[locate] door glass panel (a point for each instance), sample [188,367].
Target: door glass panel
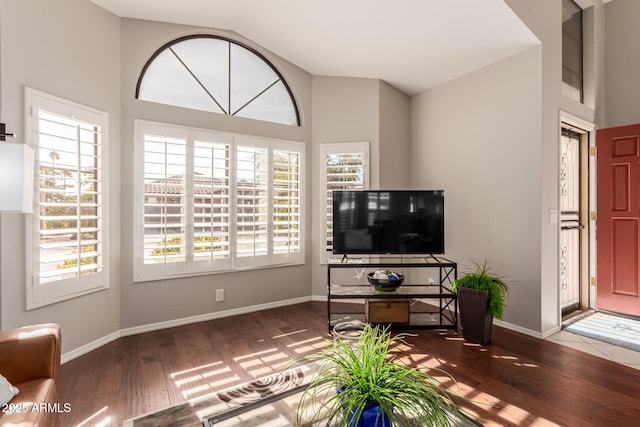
[569,219]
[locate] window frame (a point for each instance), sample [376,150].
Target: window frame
[191,267]
[252,50]
[568,90]
[326,149]
[42,294]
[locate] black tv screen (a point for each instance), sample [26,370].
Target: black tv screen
[388,222]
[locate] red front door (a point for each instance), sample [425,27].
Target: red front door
[618,221]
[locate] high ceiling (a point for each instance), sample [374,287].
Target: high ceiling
[411,44]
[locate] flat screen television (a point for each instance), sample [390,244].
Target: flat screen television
[388,222]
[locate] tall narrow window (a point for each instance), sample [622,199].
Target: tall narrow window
[345,166]
[252,201]
[69,225]
[215,201]
[572,50]
[211,198]
[219,75]
[286,201]
[165,193]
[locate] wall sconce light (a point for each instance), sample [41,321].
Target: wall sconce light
[16,175]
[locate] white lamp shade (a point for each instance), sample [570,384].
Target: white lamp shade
[16,177]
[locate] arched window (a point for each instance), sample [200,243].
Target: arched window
[212,73]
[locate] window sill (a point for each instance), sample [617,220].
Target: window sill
[45,301]
[156,278]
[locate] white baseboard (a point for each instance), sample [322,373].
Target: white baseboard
[517,328]
[80,351]
[501,323]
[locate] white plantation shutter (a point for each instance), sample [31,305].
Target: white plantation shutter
[68,253]
[70,207]
[252,201]
[344,166]
[165,198]
[213,201]
[286,202]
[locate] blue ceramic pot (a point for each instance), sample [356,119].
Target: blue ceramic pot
[372,416]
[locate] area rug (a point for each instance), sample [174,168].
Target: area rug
[283,412]
[194,412]
[271,401]
[620,331]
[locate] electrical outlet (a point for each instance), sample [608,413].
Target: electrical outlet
[219,295]
[431,281]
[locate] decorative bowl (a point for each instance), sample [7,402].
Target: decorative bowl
[385,285]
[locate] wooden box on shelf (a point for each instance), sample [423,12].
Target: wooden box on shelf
[387,311]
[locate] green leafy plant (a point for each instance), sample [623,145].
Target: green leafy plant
[481,277]
[351,376]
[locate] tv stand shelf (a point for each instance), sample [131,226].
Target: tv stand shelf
[431,303]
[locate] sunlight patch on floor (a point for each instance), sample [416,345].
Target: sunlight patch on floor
[199,368]
[195,382]
[306,346]
[483,404]
[290,333]
[262,362]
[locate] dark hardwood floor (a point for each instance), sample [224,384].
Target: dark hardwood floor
[515,381]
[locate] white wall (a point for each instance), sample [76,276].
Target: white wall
[344,110]
[356,110]
[478,138]
[69,48]
[503,124]
[622,63]
[395,138]
[544,19]
[159,301]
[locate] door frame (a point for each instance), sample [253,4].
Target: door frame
[587,203]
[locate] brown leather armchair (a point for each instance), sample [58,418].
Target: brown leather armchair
[30,360]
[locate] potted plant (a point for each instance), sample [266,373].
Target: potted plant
[481,297]
[362,383]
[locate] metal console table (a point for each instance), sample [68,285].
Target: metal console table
[431,302]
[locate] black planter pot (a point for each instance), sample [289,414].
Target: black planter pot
[475,321]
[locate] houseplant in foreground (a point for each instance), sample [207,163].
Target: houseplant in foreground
[364,384]
[481,296]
